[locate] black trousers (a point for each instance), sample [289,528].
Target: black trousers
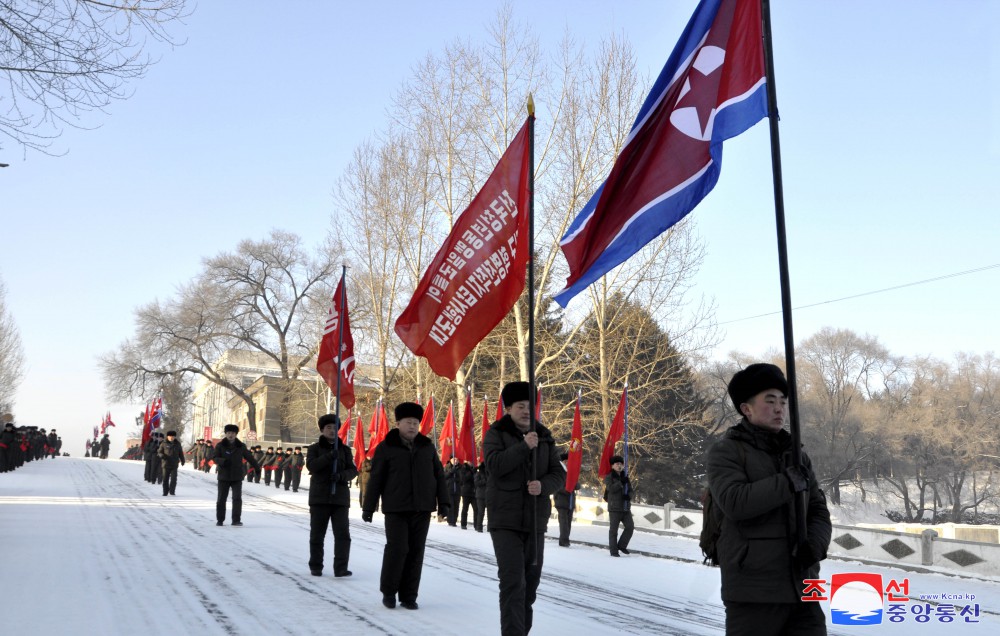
[293,478]
[403,557]
[267,476]
[519,579]
[456,500]
[278,473]
[775,619]
[615,542]
[466,502]
[320,516]
[565,524]
[220,504]
[169,477]
[477,521]
[148,475]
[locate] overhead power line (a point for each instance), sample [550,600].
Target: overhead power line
[870,293]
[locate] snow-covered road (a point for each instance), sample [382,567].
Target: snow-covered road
[89,547]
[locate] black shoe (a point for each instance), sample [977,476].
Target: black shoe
[410,605]
[389,601]
[316,572]
[164,494]
[624,551]
[344,573]
[615,554]
[237,523]
[218,523]
[173,494]
[564,544]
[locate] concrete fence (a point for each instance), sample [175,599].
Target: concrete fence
[942,545]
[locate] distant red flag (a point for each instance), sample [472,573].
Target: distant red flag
[427,423]
[108,420]
[104,425]
[345,428]
[328,363]
[478,274]
[447,440]
[359,445]
[614,434]
[538,404]
[486,427]
[499,409]
[381,429]
[466,451]
[575,458]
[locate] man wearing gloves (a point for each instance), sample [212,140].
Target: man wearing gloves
[331,468]
[753,483]
[407,475]
[228,457]
[522,472]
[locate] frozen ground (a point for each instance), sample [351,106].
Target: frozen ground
[90,548]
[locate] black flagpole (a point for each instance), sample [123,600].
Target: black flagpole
[786,293]
[531,309]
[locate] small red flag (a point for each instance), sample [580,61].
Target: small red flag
[447,440]
[575,458]
[345,428]
[486,427]
[499,409]
[466,451]
[359,445]
[108,420]
[427,422]
[328,363]
[478,274]
[614,434]
[538,404]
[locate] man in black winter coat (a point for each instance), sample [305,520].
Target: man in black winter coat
[331,469]
[228,456]
[754,484]
[407,475]
[293,468]
[518,503]
[618,494]
[170,454]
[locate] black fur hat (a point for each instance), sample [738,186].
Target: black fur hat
[329,418]
[514,392]
[616,459]
[231,427]
[409,409]
[755,379]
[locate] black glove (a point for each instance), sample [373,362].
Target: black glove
[797,479]
[805,556]
[443,510]
[366,516]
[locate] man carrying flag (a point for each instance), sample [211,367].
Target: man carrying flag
[523,472]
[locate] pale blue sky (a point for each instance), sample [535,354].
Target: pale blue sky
[890,142]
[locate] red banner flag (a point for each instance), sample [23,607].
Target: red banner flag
[427,423]
[108,420]
[359,445]
[575,458]
[478,274]
[499,408]
[538,404]
[447,440]
[486,427]
[328,364]
[345,428]
[614,434]
[466,451]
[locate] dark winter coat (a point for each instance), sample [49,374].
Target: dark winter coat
[320,460]
[746,479]
[269,460]
[407,478]
[467,480]
[508,470]
[229,458]
[295,461]
[480,480]
[619,491]
[170,453]
[564,499]
[452,481]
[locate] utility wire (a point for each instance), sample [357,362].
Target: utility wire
[869,293]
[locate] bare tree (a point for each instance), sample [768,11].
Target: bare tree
[62,58]
[11,354]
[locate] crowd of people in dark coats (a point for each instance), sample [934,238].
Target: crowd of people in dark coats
[21,444]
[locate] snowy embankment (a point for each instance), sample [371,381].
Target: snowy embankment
[92,548]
